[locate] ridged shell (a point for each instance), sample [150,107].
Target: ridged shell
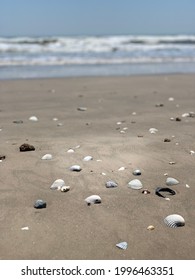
[171,181]
[111,184]
[122,245]
[57,184]
[174,221]
[135,184]
[47,157]
[93,199]
[76,168]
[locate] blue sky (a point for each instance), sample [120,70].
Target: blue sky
[96,17]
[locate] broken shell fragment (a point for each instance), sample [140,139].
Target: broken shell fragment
[159,190]
[33,118]
[93,199]
[174,221]
[122,245]
[26,147]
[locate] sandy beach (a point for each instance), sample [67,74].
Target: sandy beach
[113,128]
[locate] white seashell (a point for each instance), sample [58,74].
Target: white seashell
[76,168]
[57,184]
[151,227]
[93,199]
[167,198]
[65,188]
[77,147]
[104,174]
[125,128]
[187,186]
[70,151]
[33,118]
[153,130]
[122,245]
[166,174]
[87,158]
[135,184]
[121,168]
[47,156]
[25,228]
[99,160]
[192,152]
[172,119]
[55,119]
[171,99]
[137,172]
[111,184]
[174,221]
[118,123]
[171,181]
[81,108]
[122,131]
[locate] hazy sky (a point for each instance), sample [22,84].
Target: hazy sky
[96,17]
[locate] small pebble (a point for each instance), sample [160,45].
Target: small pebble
[171,99]
[153,130]
[87,158]
[2,157]
[167,140]
[121,168]
[172,162]
[151,227]
[81,108]
[178,119]
[136,172]
[192,152]
[111,184]
[39,204]
[145,191]
[159,105]
[65,188]
[25,228]
[26,147]
[76,168]
[18,122]
[187,186]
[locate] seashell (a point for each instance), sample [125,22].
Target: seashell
[81,108]
[153,130]
[47,156]
[87,158]
[174,221]
[78,146]
[171,181]
[171,99]
[93,199]
[122,245]
[151,227]
[111,184]
[39,203]
[33,118]
[70,151]
[121,168]
[55,119]
[57,184]
[103,173]
[137,172]
[192,152]
[187,186]
[25,228]
[135,184]
[76,168]
[145,191]
[65,188]
[118,123]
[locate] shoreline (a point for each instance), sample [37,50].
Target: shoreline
[112,125]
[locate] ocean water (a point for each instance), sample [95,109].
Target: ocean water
[34,57]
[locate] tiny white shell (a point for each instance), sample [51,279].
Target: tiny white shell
[70,151]
[151,227]
[47,156]
[171,99]
[135,184]
[25,228]
[174,221]
[93,199]
[76,168]
[121,168]
[33,118]
[171,181]
[57,184]
[87,158]
[82,109]
[122,245]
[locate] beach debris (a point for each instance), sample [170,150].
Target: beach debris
[146,191]
[76,168]
[172,119]
[93,199]
[162,189]
[121,168]
[25,228]
[192,152]
[171,181]
[78,146]
[137,172]
[178,119]
[150,227]
[26,147]
[171,99]
[118,123]
[47,157]
[187,186]
[70,151]
[153,130]
[166,174]
[2,157]
[98,160]
[174,221]
[39,204]
[103,173]
[159,105]
[122,245]
[111,184]
[167,140]
[82,109]
[172,162]
[122,131]
[65,188]
[18,121]
[33,118]
[190,114]
[87,158]
[57,184]
[135,184]
[60,124]
[55,119]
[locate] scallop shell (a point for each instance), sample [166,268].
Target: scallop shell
[87,158]
[76,168]
[47,156]
[57,184]
[122,245]
[111,184]
[174,221]
[33,118]
[135,184]
[171,181]
[93,199]
[65,188]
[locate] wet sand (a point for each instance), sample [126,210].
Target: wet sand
[68,228]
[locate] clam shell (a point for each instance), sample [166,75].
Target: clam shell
[47,156]
[122,245]
[93,199]
[174,221]
[76,168]
[171,181]
[135,184]
[87,158]
[33,118]
[111,184]
[57,184]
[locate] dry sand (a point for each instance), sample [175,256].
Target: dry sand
[68,228]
